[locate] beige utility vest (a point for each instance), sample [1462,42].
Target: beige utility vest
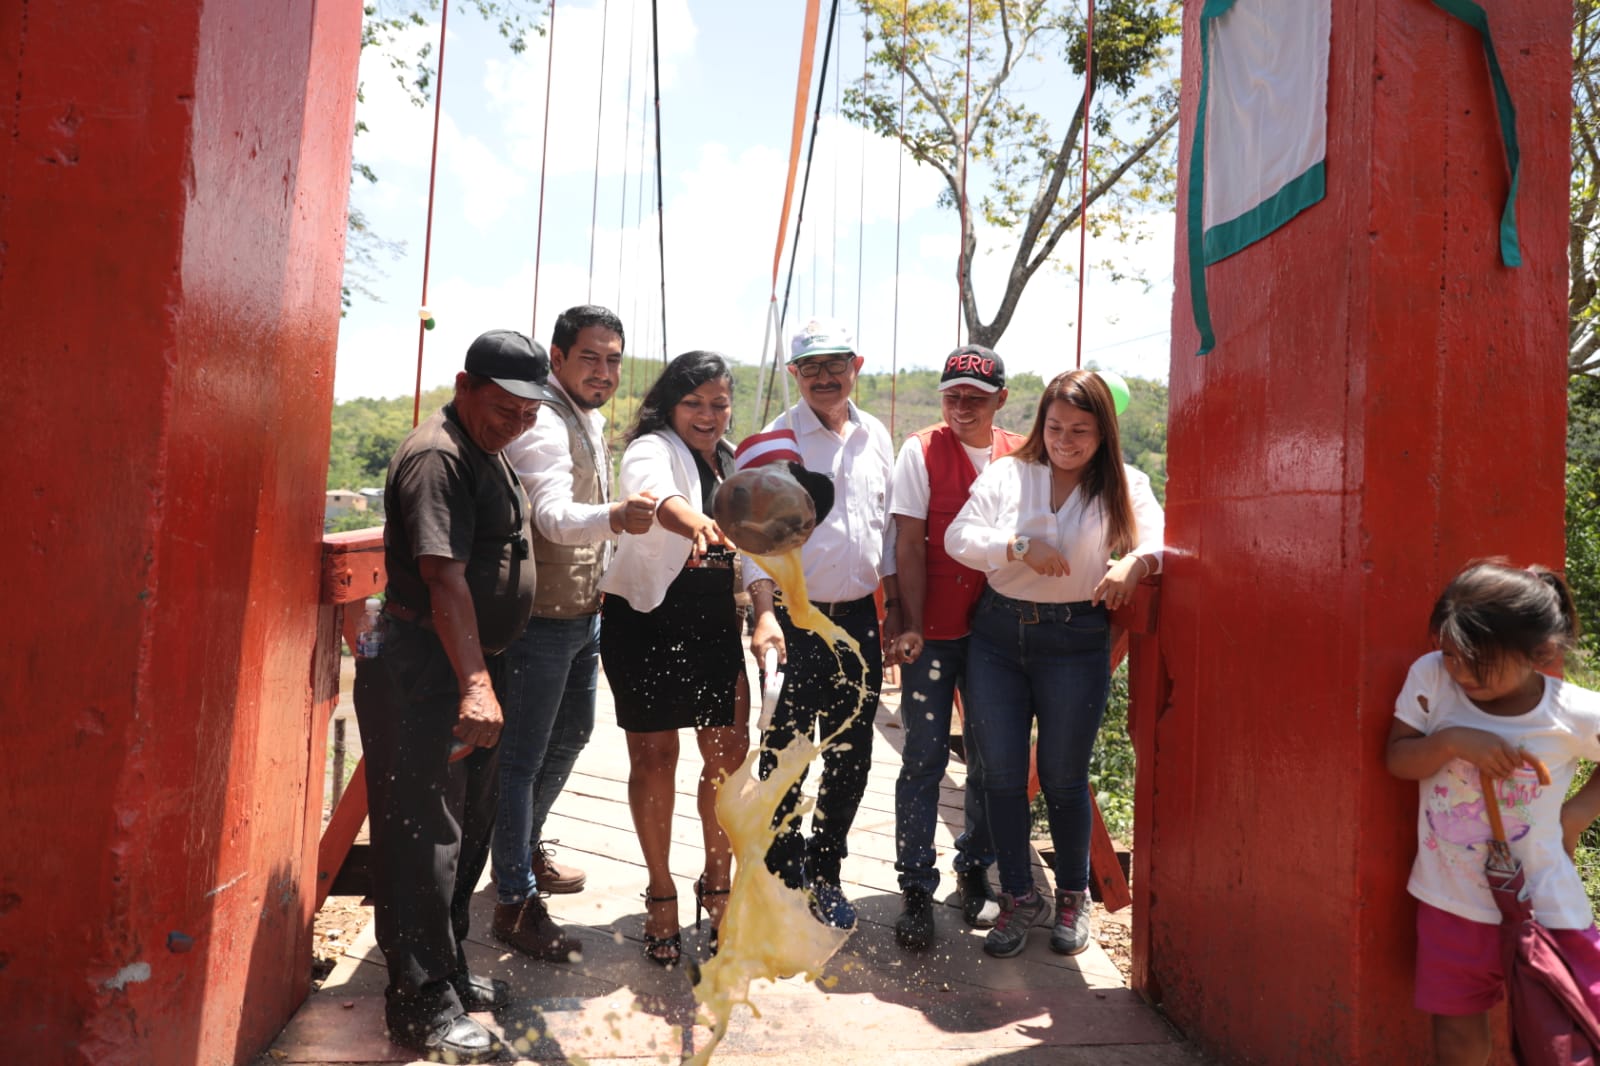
[569,574]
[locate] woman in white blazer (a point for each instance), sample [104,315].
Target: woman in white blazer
[669,632]
[1064,531]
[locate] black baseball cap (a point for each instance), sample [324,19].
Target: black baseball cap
[975,365]
[512,361]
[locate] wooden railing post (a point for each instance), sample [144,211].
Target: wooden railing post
[352,570]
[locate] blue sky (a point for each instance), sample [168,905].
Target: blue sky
[727,87]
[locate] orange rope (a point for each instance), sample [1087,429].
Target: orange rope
[802,92]
[1083,204]
[544,166]
[427,240]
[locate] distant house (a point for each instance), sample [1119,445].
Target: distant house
[341,502]
[374,498]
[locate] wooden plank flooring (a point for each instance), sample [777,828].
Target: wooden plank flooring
[875,1003]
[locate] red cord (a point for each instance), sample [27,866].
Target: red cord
[1083,204]
[899,188]
[544,167]
[427,240]
[966,155]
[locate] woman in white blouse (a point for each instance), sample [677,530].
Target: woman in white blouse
[669,632]
[1065,531]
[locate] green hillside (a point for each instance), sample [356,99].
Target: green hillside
[367,431]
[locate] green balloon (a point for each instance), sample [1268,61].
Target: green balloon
[1119,389]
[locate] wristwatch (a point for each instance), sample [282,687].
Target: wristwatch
[1019,546]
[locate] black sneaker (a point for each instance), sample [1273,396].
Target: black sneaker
[979,908]
[914,928]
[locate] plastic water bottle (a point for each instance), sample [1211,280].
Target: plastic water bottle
[369,634]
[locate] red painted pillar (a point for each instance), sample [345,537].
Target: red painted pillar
[173,180]
[1385,402]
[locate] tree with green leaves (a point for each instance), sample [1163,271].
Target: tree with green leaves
[1027,161]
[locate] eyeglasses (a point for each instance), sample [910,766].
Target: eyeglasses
[811,368]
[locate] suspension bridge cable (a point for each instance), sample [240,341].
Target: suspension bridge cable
[544,166]
[427,240]
[661,222]
[861,191]
[899,190]
[966,158]
[1083,203]
[627,143]
[805,182]
[599,113]
[833,260]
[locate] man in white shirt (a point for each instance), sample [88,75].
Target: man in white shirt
[843,561]
[932,480]
[565,467]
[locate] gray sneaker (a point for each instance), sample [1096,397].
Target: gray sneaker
[1071,932]
[1017,915]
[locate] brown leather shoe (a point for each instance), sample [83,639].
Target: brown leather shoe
[528,927]
[551,876]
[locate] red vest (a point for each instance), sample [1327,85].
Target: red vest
[953,589]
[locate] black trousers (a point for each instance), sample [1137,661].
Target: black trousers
[430,820]
[818,696]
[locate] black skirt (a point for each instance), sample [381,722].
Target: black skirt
[677,666]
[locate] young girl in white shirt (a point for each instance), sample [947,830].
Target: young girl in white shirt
[1065,532]
[1476,708]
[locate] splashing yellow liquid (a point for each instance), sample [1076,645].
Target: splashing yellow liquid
[768,930]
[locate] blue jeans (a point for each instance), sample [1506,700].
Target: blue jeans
[927,696]
[549,714]
[1050,663]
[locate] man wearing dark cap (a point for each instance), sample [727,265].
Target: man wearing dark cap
[461,585]
[932,479]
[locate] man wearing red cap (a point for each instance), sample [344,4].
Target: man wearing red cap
[932,480]
[843,561]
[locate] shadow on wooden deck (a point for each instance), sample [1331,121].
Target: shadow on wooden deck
[874,1004]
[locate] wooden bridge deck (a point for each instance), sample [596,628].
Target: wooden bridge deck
[876,1003]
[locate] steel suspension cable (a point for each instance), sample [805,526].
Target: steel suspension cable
[544,165]
[833,261]
[599,113]
[861,191]
[661,222]
[805,181]
[427,240]
[899,192]
[1083,203]
[627,143]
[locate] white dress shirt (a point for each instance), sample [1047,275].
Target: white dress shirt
[911,490]
[661,464]
[1012,497]
[542,460]
[846,554]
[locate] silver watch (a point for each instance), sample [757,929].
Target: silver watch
[1019,546]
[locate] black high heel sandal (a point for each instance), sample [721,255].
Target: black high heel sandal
[664,951]
[700,894]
